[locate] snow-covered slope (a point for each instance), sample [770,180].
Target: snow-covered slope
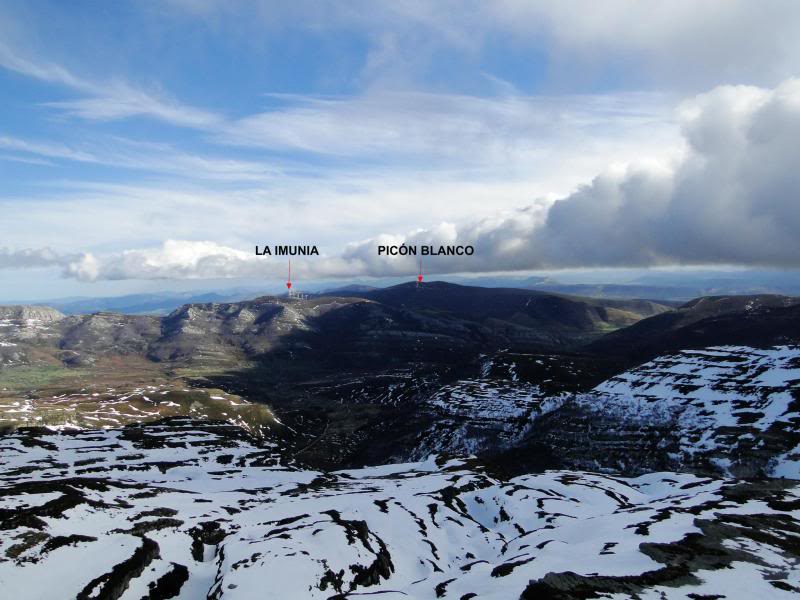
[193,510]
[474,415]
[494,411]
[731,409]
[728,410]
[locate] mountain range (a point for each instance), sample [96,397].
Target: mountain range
[671,287]
[433,440]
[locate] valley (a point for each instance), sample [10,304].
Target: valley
[414,441]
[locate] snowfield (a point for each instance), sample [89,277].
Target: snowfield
[192,510]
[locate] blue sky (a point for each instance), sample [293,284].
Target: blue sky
[150,145]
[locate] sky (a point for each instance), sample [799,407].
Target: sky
[152,145]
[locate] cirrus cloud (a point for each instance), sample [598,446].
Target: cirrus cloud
[732,199]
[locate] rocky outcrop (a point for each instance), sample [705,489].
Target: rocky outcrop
[22,329]
[87,336]
[22,313]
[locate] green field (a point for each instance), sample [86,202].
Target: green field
[30,377]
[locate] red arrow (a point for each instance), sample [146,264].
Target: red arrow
[289,279]
[419,277]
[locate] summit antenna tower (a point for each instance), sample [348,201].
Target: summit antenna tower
[293,294]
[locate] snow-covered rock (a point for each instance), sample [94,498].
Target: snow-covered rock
[475,415]
[193,510]
[732,409]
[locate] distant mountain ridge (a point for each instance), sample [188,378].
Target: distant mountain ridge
[155,304]
[438,314]
[761,320]
[392,373]
[525,308]
[665,287]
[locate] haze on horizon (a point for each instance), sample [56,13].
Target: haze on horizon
[150,146]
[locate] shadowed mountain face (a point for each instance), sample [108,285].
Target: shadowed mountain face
[544,317]
[740,320]
[398,323]
[347,374]
[395,374]
[226,334]
[406,322]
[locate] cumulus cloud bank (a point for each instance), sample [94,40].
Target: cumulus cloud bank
[731,199]
[33,257]
[186,259]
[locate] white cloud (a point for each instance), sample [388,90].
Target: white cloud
[185,259]
[153,157]
[731,200]
[443,128]
[509,152]
[28,258]
[120,100]
[694,43]
[46,149]
[107,100]
[389,160]
[688,44]
[173,260]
